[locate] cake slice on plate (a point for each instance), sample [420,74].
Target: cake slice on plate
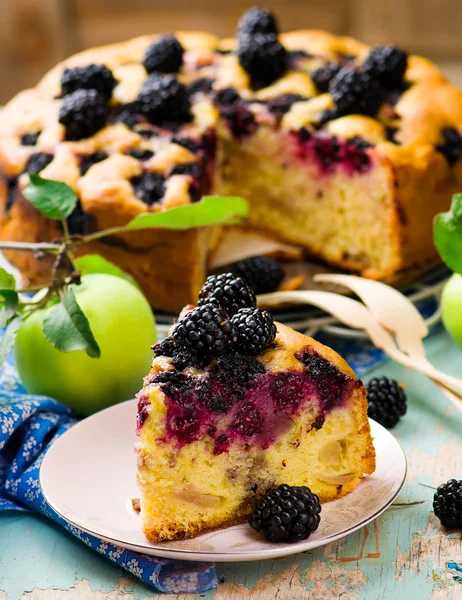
[236,404]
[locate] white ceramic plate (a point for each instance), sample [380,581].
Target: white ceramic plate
[88,477]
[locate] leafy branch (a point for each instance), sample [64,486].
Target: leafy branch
[447,232]
[65,325]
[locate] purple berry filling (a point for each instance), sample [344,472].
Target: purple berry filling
[331,153]
[240,120]
[238,402]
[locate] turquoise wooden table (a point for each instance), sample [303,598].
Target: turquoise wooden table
[403,555]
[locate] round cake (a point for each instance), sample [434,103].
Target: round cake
[342,149]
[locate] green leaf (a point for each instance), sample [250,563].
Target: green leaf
[54,199]
[94,263]
[8,307]
[7,280]
[211,210]
[8,339]
[447,233]
[67,328]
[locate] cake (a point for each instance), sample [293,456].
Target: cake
[235,405]
[342,149]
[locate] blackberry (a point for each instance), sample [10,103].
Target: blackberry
[37,162]
[355,92]
[163,99]
[263,57]
[387,64]
[255,330]
[287,514]
[30,139]
[386,400]
[89,77]
[140,153]
[359,142]
[128,114]
[91,159]
[205,330]
[330,382]
[257,20]
[149,187]
[451,148]
[248,421]
[262,273]
[227,291]
[240,120]
[282,104]
[203,84]
[322,76]
[165,348]
[192,145]
[447,504]
[181,359]
[164,55]
[193,168]
[227,96]
[83,113]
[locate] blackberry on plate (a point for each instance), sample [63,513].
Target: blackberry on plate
[386,400]
[387,64]
[255,330]
[164,99]
[257,20]
[287,514]
[164,55]
[205,330]
[263,273]
[322,76]
[37,162]
[263,57]
[451,148]
[83,113]
[355,92]
[149,187]
[447,504]
[229,292]
[89,77]
[91,159]
[30,139]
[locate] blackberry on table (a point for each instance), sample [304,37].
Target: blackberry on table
[257,20]
[163,99]
[229,292]
[30,139]
[355,92]
[149,187]
[205,330]
[387,64]
[287,514]
[164,55]
[83,113]
[451,148]
[263,57]
[322,76]
[37,162]
[89,77]
[255,330]
[91,159]
[263,273]
[386,400]
[447,504]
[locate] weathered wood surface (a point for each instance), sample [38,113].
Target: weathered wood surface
[404,555]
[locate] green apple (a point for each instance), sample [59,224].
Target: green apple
[123,325]
[451,307]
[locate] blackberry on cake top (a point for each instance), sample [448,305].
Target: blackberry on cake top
[355,92]
[149,187]
[89,77]
[322,76]
[83,113]
[163,99]
[263,57]
[228,291]
[254,329]
[165,55]
[257,20]
[451,146]
[387,64]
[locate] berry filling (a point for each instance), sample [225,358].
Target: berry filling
[236,401]
[331,153]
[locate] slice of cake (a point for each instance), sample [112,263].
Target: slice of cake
[235,405]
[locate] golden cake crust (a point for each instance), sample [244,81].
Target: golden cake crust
[422,181]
